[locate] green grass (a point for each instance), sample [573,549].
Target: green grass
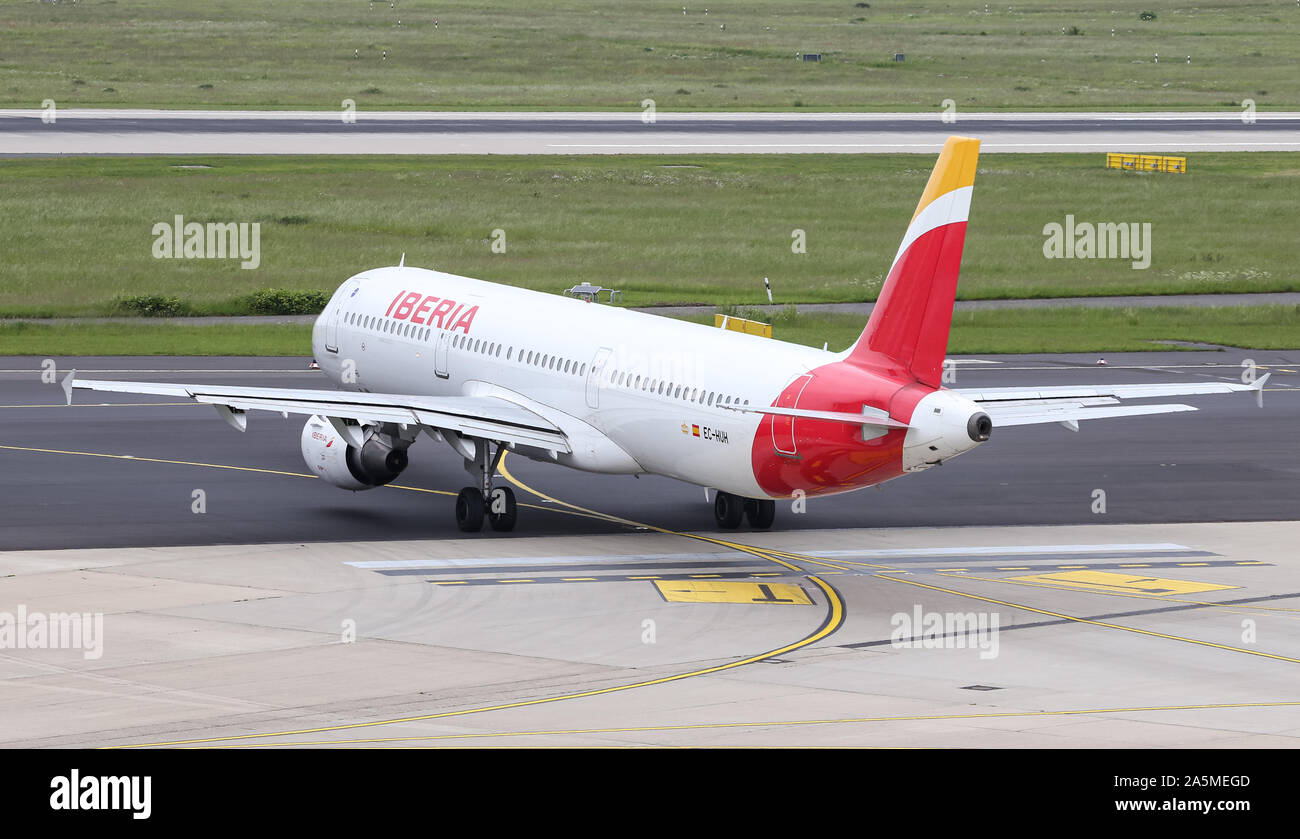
[611,54]
[1074,329]
[77,232]
[99,338]
[1001,331]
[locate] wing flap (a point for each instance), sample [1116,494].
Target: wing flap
[478,416]
[343,410]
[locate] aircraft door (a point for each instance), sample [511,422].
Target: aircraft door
[593,376]
[783,427]
[335,315]
[440,354]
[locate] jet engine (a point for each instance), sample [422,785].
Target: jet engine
[330,457]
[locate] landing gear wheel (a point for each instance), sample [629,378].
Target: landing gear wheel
[728,509]
[502,511]
[760,512]
[469,510]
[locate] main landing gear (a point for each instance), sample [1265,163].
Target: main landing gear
[729,509]
[476,503]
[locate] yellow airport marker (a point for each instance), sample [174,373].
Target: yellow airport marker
[691,591]
[1104,581]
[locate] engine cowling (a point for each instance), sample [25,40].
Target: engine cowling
[379,461]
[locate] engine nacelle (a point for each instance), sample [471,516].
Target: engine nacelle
[331,458]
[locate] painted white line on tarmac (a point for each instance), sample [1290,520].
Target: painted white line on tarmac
[613,561]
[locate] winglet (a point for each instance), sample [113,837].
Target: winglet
[68,379]
[1258,387]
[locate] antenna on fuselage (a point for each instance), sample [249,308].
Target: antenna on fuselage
[401,263]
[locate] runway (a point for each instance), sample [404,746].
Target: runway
[292,613]
[122,473]
[30,132]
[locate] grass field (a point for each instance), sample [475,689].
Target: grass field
[1074,329]
[56,340]
[1009,331]
[611,54]
[77,233]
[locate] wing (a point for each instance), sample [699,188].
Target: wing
[1070,404]
[485,417]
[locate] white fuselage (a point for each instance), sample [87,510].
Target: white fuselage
[634,392]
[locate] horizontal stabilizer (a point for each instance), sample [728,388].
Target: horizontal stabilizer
[1070,404]
[990,395]
[1022,415]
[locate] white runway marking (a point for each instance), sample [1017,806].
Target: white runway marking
[988,550]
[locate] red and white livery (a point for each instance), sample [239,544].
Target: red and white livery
[487,368]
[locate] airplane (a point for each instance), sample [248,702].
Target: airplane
[489,369]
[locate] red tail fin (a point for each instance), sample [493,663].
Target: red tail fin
[910,322]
